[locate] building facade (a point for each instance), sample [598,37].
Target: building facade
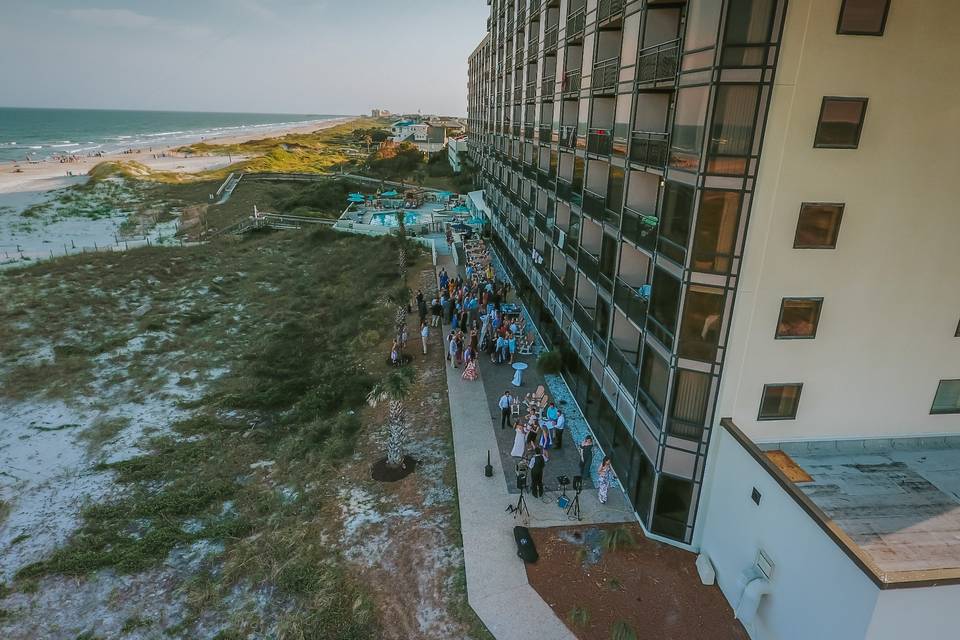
[743,210]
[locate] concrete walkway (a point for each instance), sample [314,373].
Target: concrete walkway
[497,586]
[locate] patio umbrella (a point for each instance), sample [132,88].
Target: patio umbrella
[389,194]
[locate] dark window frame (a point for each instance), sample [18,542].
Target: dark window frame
[798,385]
[956,334]
[816,321]
[803,205]
[883,22]
[932,404]
[863,117]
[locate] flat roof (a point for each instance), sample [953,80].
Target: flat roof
[892,503]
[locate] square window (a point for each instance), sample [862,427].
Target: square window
[818,225]
[841,120]
[863,17]
[779,401]
[947,399]
[799,318]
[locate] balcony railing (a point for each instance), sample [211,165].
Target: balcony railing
[605,75]
[575,24]
[521,17]
[624,366]
[630,302]
[515,130]
[545,180]
[583,317]
[550,38]
[548,86]
[649,148]
[589,265]
[571,82]
[531,89]
[609,9]
[639,228]
[593,205]
[686,429]
[568,136]
[600,141]
[528,131]
[546,134]
[532,50]
[659,63]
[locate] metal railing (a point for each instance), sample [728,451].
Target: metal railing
[686,429]
[548,86]
[546,134]
[659,63]
[600,141]
[571,81]
[649,148]
[575,23]
[568,136]
[593,204]
[640,228]
[630,302]
[609,9]
[605,74]
[583,317]
[624,366]
[550,37]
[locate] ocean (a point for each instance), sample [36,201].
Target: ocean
[44,133]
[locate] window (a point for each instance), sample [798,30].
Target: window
[731,133]
[670,514]
[675,213]
[664,302]
[700,325]
[688,124]
[947,399]
[779,401]
[654,373]
[841,120]
[799,317]
[863,17]
[748,31]
[818,226]
[688,410]
[716,231]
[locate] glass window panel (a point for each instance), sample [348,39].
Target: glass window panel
[688,410]
[779,401]
[687,139]
[841,120]
[664,299]
[703,19]
[818,226]
[641,472]
[672,508]
[675,214]
[731,133]
[947,399]
[653,377]
[799,317]
[716,231]
[700,328]
[863,17]
[748,23]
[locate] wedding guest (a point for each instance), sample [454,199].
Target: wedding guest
[604,478]
[586,457]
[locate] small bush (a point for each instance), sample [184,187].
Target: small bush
[579,616]
[619,538]
[549,362]
[622,631]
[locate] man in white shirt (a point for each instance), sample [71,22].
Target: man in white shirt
[505,401]
[424,334]
[558,430]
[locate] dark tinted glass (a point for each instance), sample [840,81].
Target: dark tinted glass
[716,231]
[799,317]
[653,377]
[947,399]
[818,226]
[675,214]
[672,507]
[688,410]
[841,120]
[700,327]
[664,299]
[780,402]
[863,17]
[731,133]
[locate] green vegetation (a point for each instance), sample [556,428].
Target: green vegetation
[550,362]
[249,478]
[618,538]
[622,631]
[578,616]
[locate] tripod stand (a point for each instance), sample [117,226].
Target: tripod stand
[520,508]
[573,511]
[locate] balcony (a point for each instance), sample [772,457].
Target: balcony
[649,148]
[546,135]
[545,180]
[548,86]
[570,86]
[624,366]
[528,131]
[609,9]
[540,222]
[575,24]
[599,141]
[605,75]
[532,50]
[515,130]
[589,265]
[568,136]
[521,18]
[630,302]
[583,318]
[685,429]
[531,89]
[593,205]
[659,63]
[550,38]
[640,229]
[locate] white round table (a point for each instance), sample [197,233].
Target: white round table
[518,376]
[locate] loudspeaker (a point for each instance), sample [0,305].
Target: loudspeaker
[525,547]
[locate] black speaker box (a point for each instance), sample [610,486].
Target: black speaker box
[525,547]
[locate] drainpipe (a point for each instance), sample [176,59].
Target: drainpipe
[746,610]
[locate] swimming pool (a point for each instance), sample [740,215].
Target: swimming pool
[389,219]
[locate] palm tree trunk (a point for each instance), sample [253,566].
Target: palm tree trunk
[397,435]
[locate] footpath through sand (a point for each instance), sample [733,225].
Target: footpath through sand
[497,585]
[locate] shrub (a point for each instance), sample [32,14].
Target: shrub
[623,631]
[549,362]
[579,616]
[619,538]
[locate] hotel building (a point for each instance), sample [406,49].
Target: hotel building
[736,220]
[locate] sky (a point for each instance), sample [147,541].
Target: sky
[261,56]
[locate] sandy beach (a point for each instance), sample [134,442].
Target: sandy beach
[17,180]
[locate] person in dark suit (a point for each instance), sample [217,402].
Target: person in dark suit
[586,457]
[537,463]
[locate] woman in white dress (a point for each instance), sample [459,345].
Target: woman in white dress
[519,440]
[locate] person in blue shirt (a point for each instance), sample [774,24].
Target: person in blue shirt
[444,279]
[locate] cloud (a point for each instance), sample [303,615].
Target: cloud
[131,20]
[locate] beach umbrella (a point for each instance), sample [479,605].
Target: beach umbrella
[390,194]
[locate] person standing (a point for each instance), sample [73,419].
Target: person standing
[537,463]
[604,478]
[435,311]
[506,401]
[453,350]
[519,440]
[558,430]
[586,457]
[424,334]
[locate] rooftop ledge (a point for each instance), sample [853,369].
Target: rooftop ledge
[891,504]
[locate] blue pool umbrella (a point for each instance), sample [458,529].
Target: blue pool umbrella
[444,195]
[389,194]
[476,221]
[356,197]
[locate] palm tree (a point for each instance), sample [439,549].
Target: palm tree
[394,388]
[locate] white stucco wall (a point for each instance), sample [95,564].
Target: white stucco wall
[818,593]
[917,614]
[890,288]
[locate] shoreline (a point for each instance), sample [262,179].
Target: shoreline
[48,175]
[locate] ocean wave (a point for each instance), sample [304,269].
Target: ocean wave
[162,133]
[65,145]
[36,147]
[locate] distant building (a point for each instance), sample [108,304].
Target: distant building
[426,137]
[379,113]
[456,152]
